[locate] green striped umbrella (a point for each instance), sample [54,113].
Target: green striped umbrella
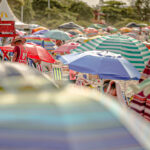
[131,49]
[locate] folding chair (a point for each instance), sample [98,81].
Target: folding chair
[57,73]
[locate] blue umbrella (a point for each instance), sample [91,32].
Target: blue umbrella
[57,34]
[68,119]
[106,64]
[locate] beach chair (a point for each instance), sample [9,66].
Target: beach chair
[57,74]
[120,95]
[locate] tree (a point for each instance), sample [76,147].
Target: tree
[28,11]
[113,10]
[143,9]
[16,6]
[82,9]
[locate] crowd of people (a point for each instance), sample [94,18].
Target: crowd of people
[109,87]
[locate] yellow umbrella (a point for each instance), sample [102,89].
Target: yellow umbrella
[94,37]
[125,29]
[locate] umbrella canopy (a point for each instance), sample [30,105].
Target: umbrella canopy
[38,29]
[106,64]
[142,25]
[132,25]
[20,33]
[69,119]
[16,77]
[76,31]
[41,40]
[79,39]
[69,25]
[40,32]
[57,34]
[125,29]
[91,31]
[143,86]
[98,26]
[66,47]
[131,49]
[33,51]
[37,52]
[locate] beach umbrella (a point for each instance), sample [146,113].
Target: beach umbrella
[77,31]
[147,44]
[37,52]
[33,51]
[97,26]
[141,99]
[91,31]
[40,32]
[79,39]
[132,25]
[20,33]
[41,40]
[143,86]
[69,119]
[125,29]
[106,64]
[92,38]
[17,76]
[131,34]
[69,25]
[38,29]
[66,47]
[143,25]
[57,34]
[131,49]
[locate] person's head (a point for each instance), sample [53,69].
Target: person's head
[112,90]
[18,42]
[105,85]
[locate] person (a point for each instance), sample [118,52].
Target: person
[20,53]
[72,76]
[37,65]
[113,89]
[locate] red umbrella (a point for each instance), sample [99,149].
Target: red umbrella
[66,47]
[34,51]
[38,52]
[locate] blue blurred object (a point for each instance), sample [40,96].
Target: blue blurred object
[105,64]
[64,120]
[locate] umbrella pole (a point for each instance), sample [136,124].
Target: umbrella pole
[101,87]
[125,87]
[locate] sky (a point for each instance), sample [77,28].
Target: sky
[95,2]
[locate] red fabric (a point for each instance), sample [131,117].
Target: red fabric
[39,53]
[66,48]
[17,50]
[58,42]
[140,102]
[33,51]
[22,55]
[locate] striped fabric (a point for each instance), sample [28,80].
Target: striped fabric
[131,49]
[48,43]
[141,102]
[138,103]
[65,121]
[57,73]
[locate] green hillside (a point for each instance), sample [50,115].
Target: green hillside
[61,11]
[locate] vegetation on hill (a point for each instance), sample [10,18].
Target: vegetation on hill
[61,11]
